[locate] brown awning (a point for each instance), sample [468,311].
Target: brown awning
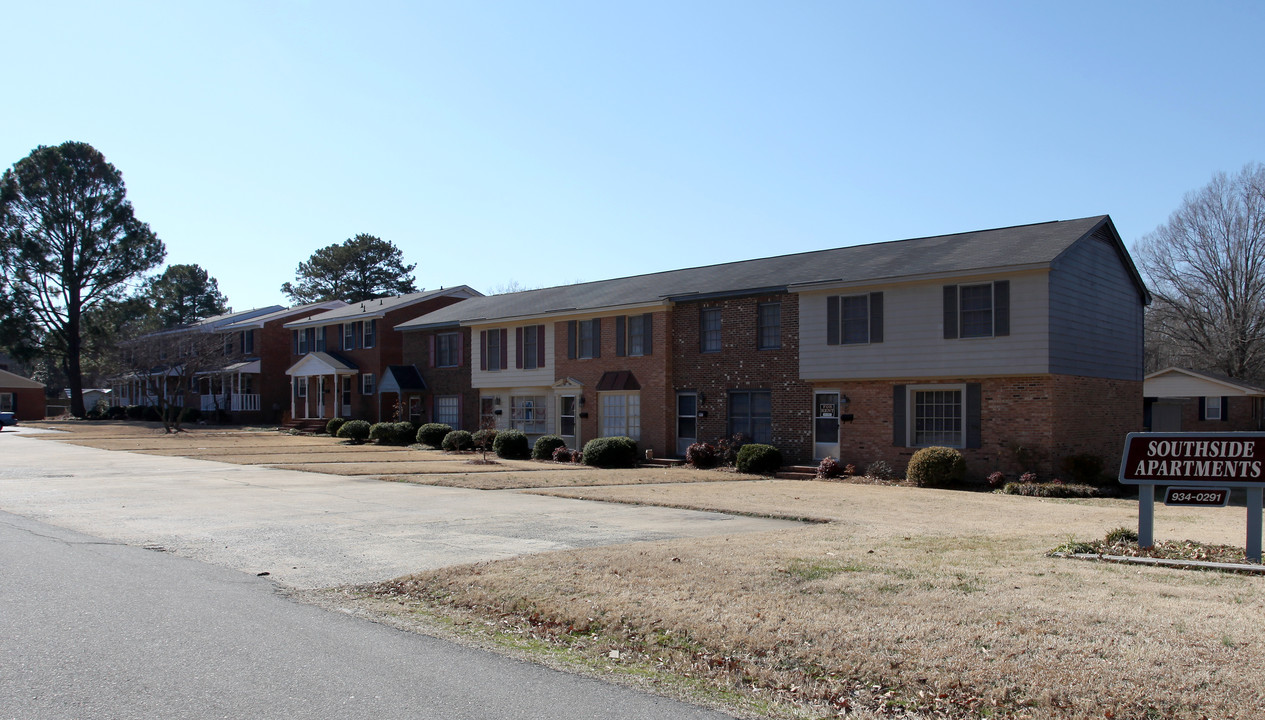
[615,381]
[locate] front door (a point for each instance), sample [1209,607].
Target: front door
[1166,417]
[320,396]
[346,397]
[826,425]
[568,430]
[686,421]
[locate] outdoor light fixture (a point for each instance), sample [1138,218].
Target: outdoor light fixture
[702,397]
[844,399]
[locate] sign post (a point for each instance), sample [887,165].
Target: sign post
[1196,461]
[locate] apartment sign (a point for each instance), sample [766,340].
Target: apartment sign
[1191,459]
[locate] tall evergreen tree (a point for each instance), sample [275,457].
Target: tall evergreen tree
[360,268]
[184,294]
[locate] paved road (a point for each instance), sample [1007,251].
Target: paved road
[98,630]
[310,530]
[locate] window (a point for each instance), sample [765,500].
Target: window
[1213,408]
[349,336]
[751,413]
[248,341]
[447,352]
[528,414]
[448,410]
[371,333]
[6,402]
[768,326]
[317,340]
[977,311]
[590,338]
[854,319]
[621,415]
[531,347]
[367,384]
[300,342]
[936,416]
[634,335]
[709,330]
[493,355]
[228,345]
[300,386]
[566,416]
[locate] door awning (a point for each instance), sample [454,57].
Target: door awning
[402,378]
[616,381]
[322,363]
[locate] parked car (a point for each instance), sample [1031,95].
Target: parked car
[7,418]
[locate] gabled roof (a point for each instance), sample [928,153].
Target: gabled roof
[370,309]
[259,320]
[401,378]
[322,363]
[1000,249]
[1213,379]
[13,380]
[216,323]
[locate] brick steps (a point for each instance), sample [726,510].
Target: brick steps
[303,425]
[662,462]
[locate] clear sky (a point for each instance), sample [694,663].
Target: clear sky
[543,142]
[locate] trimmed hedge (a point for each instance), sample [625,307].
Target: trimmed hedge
[610,452]
[758,459]
[357,431]
[331,427]
[458,440]
[483,439]
[511,445]
[936,466]
[433,434]
[545,445]
[701,455]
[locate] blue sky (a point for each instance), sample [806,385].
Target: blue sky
[547,142]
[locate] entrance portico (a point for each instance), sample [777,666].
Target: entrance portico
[315,383]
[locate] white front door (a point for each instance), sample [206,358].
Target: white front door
[826,425]
[320,394]
[568,428]
[346,397]
[686,421]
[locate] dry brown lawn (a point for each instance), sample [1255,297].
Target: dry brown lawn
[936,603]
[553,475]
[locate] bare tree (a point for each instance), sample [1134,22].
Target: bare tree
[167,365]
[1206,268]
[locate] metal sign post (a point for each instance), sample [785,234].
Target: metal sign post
[1196,461]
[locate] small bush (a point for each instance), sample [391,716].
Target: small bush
[1050,490]
[1122,535]
[382,433]
[190,415]
[564,454]
[511,445]
[150,413]
[727,448]
[850,469]
[828,469]
[433,434]
[880,470]
[996,479]
[936,467]
[483,439]
[545,445]
[404,432]
[758,459]
[701,455]
[1028,477]
[134,412]
[457,440]
[116,412]
[610,452]
[1085,468]
[331,427]
[357,431]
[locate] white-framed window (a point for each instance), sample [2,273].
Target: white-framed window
[854,319]
[494,350]
[768,326]
[248,341]
[621,414]
[371,333]
[447,350]
[228,344]
[751,414]
[300,386]
[636,335]
[448,410]
[937,415]
[1212,408]
[368,384]
[531,346]
[6,402]
[975,303]
[709,330]
[527,413]
[300,342]
[588,338]
[349,336]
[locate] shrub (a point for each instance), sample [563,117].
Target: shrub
[357,431]
[1085,468]
[828,469]
[150,413]
[727,448]
[134,412]
[483,439]
[457,440]
[758,459]
[936,467]
[996,479]
[880,470]
[511,445]
[403,432]
[701,455]
[545,445]
[331,427]
[610,452]
[1122,535]
[116,412]
[1028,477]
[1050,490]
[850,469]
[382,433]
[190,415]
[564,454]
[433,434]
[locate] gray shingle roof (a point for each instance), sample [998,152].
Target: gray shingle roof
[259,320]
[380,306]
[1024,245]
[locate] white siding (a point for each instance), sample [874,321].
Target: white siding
[913,331]
[1182,385]
[511,376]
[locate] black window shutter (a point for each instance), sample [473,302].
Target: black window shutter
[570,339]
[483,349]
[540,346]
[950,312]
[1203,409]
[518,348]
[505,347]
[620,328]
[832,320]
[1225,409]
[597,337]
[974,422]
[898,415]
[876,317]
[1001,308]
[647,334]
[294,340]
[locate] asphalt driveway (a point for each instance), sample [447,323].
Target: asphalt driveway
[311,530]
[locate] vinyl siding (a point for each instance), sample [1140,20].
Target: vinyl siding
[913,335]
[1179,385]
[1095,314]
[511,376]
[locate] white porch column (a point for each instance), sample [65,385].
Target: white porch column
[291,397]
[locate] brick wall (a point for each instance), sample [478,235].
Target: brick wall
[1093,415]
[1239,417]
[28,403]
[741,366]
[443,380]
[652,373]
